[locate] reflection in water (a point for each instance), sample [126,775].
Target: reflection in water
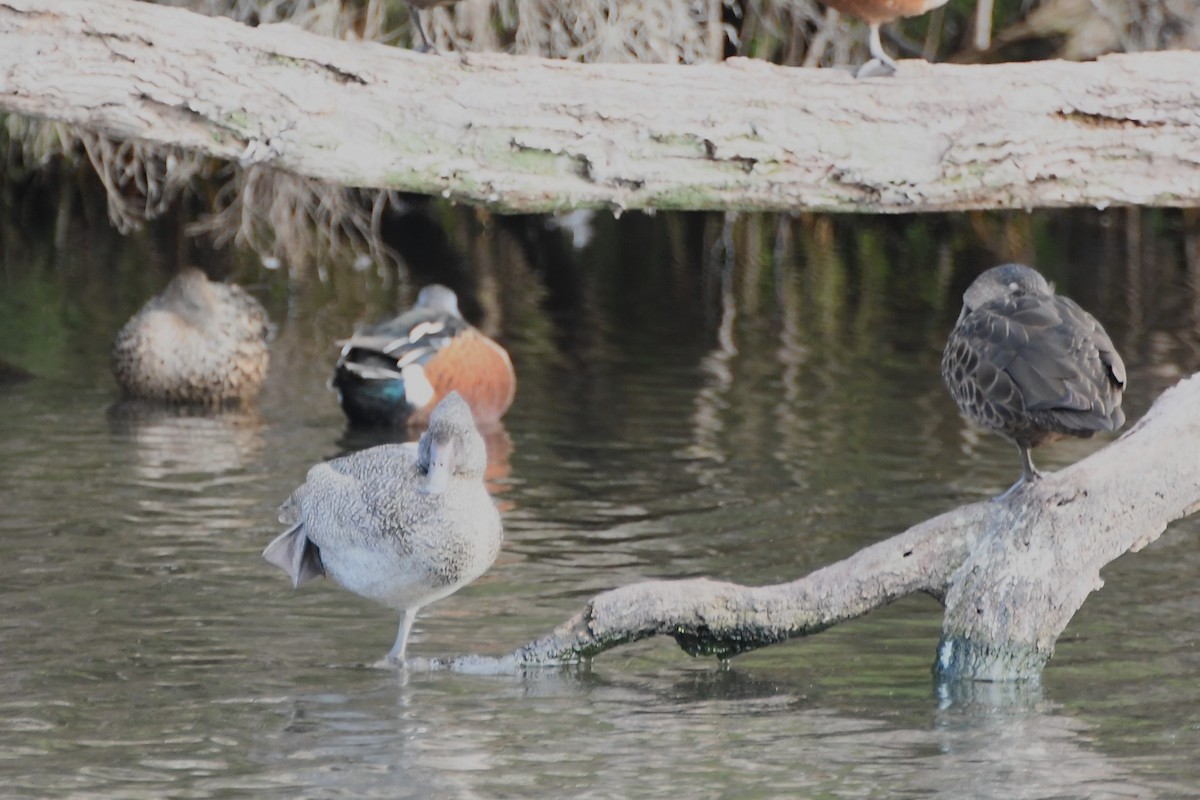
[174,441]
[711,401]
[994,738]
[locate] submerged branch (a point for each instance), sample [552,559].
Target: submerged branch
[521,134]
[709,617]
[1013,572]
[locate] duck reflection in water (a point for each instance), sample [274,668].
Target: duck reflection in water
[400,525]
[1031,365]
[173,441]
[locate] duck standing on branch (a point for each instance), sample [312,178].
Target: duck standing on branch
[1031,365]
[399,525]
[875,13]
[394,373]
[199,342]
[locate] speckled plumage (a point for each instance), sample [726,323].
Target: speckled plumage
[198,342]
[395,372]
[398,524]
[1031,365]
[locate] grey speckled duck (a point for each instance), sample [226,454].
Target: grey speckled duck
[198,342]
[400,525]
[1031,365]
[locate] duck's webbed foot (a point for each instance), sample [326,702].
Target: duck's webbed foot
[881,64]
[877,68]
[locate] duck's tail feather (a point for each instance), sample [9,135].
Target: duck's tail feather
[293,553]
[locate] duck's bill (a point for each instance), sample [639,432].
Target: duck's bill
[441,466]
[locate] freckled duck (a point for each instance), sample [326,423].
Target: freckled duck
[400,525]
[1031,365]
[199,342]
[395,372]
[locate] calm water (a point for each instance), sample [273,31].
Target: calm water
[678,415]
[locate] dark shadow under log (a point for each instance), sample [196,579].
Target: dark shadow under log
[1012,573]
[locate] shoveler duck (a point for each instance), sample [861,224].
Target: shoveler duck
[875,13]
[198,342]
[401,525]
[1031,365]
[395,372]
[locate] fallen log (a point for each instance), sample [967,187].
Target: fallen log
[521,134]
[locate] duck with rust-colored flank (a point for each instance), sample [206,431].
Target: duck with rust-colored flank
[876,13]
[399,525]
[395,372]
[198,342]
[1031,365]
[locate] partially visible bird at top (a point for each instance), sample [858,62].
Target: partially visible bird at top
[875,13]
[414,15]
[395,372]
[1031,365]
[401,525]
[199,342]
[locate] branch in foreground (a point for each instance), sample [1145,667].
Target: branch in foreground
[1013,573]
[709,617]
[522,134]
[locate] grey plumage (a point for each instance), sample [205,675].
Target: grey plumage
[198,342]
[400,525]
[1031,365]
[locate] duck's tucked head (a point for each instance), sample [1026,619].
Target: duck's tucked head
[436,297]
[452,447]
[191,295]
[1006,280]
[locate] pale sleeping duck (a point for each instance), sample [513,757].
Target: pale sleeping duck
[395,372]
[1031,365]
[198,342]
[401,525]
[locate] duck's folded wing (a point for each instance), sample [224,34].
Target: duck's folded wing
[1071,371]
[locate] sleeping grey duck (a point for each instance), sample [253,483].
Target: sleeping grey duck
[395,372]
[1031,365]
[198,342]
[400,525]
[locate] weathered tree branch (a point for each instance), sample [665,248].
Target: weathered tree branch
[528,135]
[1013,573]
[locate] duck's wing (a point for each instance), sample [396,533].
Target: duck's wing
[1059,359]
[388,347]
